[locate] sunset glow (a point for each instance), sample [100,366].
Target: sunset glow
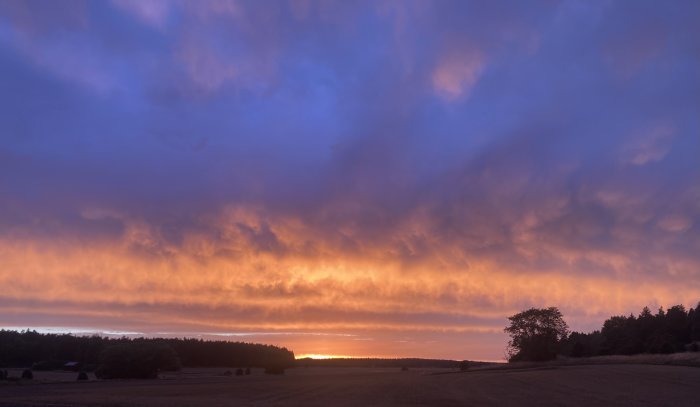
[316,356]
[365,179]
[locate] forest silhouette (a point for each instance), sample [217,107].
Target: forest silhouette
[667,331]
[542,334]
[139,357]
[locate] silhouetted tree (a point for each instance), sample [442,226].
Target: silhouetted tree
[620,336]
[694,320]
[645,324]
[536,334]
[582,345]
[668,331]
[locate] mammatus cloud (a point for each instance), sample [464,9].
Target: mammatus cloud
[365,178]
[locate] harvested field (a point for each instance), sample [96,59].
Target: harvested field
[608,385]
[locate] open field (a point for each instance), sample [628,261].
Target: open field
[609,385]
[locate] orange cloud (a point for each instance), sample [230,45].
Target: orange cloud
[262,273]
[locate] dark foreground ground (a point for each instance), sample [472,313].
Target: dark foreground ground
[604,385]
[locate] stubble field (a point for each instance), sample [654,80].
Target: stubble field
[592,385]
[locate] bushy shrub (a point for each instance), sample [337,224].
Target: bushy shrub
[136,360]
[82,376]
[27,374]
[228,373]
[247,370]
[464,365]
[239,372]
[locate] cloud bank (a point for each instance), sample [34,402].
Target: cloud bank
[368,178]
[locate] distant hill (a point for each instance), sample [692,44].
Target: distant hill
[379,362]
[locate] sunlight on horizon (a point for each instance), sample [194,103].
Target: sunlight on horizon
[322,356]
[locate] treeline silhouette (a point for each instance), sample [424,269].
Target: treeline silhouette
[50,351]
[377,362]
[673,330]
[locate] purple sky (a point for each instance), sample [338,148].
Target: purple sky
[365,178]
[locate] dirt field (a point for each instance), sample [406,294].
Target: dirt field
[604,385]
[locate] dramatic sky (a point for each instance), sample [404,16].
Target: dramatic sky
[364,178]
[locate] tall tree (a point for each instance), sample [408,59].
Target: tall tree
[536,334]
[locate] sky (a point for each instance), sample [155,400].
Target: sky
[356,178]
